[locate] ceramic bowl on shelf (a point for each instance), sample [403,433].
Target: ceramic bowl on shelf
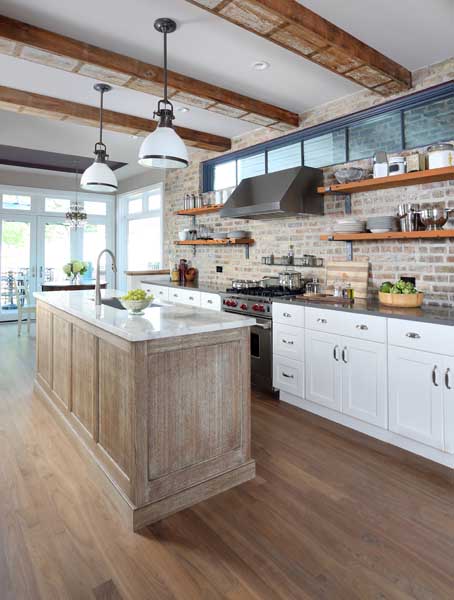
[238,235]
[350,174]
[401,300]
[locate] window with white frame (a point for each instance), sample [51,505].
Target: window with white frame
[140,230]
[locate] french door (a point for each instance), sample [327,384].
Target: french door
[17,259]
[37,247]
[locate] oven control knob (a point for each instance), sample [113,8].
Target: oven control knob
[233,303]
[243,307]
[256,307]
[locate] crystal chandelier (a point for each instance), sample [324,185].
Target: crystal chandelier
[76,217]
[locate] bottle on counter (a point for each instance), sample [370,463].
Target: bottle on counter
[175,273]
[182,268]
[291,255]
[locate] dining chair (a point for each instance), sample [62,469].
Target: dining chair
[25,308]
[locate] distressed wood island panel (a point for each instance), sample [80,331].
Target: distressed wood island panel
[168,420]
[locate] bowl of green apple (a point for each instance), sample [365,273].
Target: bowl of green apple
[136,301]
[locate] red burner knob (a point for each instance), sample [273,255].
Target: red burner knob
[243,307]
[255,307]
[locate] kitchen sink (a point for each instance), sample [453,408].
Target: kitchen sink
[113,302]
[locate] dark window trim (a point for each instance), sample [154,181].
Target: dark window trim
[432,94]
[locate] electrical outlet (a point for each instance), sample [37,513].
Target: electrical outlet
[219,269]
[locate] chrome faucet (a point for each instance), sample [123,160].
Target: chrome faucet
[98,282]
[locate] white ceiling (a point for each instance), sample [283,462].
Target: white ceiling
[413,32]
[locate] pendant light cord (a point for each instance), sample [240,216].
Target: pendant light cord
[101,117]
[165,67]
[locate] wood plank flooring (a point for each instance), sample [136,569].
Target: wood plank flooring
[326,518]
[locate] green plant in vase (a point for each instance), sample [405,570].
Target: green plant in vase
[75,269]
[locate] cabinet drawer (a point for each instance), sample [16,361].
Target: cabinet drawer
[288,314]
[288,376]
[319,319]
[175,295]
[364,327]
[211,301]
[190,297]
[288,341]
[421,336]
[160,292]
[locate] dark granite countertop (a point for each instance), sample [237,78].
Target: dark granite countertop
[189,285]
[427,314]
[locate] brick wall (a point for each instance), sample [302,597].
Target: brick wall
[431,262]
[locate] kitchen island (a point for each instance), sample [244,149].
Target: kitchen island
[161,402]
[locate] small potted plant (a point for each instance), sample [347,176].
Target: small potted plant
[75,269]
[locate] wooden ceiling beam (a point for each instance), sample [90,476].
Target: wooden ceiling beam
[65,110]
[300,30]
[55,50]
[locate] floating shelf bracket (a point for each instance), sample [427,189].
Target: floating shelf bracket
[348,211]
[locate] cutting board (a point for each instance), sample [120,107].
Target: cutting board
[354,272]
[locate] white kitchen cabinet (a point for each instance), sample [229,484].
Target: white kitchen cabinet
[160,292]
[191,297]
[211,301]
[288,341]
[323,368]
[364,381]
[416,395]
[448,401]
[288,314]
[288,376]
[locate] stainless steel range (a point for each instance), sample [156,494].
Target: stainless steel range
[256,301]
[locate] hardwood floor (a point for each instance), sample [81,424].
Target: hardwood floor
[326,518]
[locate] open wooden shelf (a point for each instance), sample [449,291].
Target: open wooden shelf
[392,181]
[390,235]
[199,211]
[227,242]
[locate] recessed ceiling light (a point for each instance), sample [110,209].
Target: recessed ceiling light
[183,109]
[261,65]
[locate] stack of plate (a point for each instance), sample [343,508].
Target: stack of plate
[349,225]
[382,224]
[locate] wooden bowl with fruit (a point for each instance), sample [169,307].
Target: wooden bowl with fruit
[401,294]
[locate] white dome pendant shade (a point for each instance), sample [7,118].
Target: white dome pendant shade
[163,148]
[99,177]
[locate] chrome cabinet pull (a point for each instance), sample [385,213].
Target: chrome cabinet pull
[335,355]
[344,355]
[286,314]
[287,375]
[448,370]
[288,342]
[191,298]
[362,327]
[413,336]
[434,376]
[323,321]
[209,301]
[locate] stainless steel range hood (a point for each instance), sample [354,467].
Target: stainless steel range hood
[280,194]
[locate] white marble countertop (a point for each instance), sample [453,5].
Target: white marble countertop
[161,319]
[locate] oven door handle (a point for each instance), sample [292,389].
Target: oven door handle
[263,325]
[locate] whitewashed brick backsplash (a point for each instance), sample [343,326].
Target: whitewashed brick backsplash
[431,262]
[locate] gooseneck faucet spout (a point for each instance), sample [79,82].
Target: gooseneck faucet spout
[98,275]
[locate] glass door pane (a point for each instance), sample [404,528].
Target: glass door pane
[16,248]
[94,240]
[55,244]
[144,244]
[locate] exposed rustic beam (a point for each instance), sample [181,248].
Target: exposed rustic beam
[300,30]
[55,50]
[65,110]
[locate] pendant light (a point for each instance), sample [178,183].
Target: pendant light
[76,217]
[99,177]
[164,149]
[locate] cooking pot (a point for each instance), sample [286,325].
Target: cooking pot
[290,280]
[434,218]
[269,282]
